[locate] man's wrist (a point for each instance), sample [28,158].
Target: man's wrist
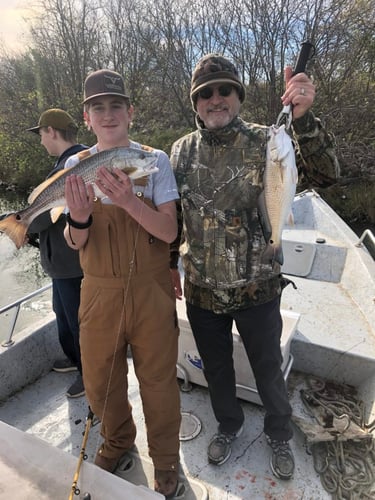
[305,124]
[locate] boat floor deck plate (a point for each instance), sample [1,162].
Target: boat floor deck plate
[190,426]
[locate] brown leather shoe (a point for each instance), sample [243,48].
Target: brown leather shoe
[108,464]
[166,482]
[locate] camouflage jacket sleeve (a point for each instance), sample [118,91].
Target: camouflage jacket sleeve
[175,245]
[174,252]
[315,151]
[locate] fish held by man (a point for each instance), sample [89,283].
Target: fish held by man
[50,194]
[275,202]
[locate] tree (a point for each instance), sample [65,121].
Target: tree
[156,44]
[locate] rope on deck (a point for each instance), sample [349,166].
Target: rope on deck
[346,466]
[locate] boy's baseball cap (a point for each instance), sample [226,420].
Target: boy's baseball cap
[55,118]
[211,69]
[103,82]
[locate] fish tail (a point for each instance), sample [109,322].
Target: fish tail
[14,228]
[272,254]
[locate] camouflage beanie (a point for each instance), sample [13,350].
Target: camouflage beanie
[211,69]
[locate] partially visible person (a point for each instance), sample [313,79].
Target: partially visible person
[127,294]
[58,135]
[219,172]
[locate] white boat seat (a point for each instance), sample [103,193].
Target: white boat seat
[190,367]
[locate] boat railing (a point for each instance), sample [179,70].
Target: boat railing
[370,235]
[16,306]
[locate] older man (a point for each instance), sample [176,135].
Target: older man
[219,169]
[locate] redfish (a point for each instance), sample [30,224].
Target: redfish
[50,194]
[280,182]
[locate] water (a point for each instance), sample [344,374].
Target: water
[20,274]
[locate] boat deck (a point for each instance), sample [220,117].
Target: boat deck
[43,410]
[334,339]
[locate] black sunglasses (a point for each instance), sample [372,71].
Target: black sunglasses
[208,92]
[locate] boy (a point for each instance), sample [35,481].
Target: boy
[58,135]
[127,295]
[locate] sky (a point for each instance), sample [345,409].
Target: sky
[12,25]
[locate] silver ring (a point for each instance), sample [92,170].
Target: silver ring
[302,91]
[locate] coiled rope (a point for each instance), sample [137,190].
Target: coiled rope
[346,466]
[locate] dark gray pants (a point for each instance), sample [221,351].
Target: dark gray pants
[66,299]
[260,329]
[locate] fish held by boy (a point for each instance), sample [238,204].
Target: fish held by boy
[275,202]
[50,194]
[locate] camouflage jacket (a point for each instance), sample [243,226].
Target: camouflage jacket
[219,176]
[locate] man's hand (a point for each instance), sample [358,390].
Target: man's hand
[299,91]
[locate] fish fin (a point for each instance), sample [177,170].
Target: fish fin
[279,256]
[55,213]
[263,216]
[295,175]
[290,219]
[15,229]
[267,255]
[139,174]
[272,254]
[41,187]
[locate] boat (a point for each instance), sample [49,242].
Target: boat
[48,442]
